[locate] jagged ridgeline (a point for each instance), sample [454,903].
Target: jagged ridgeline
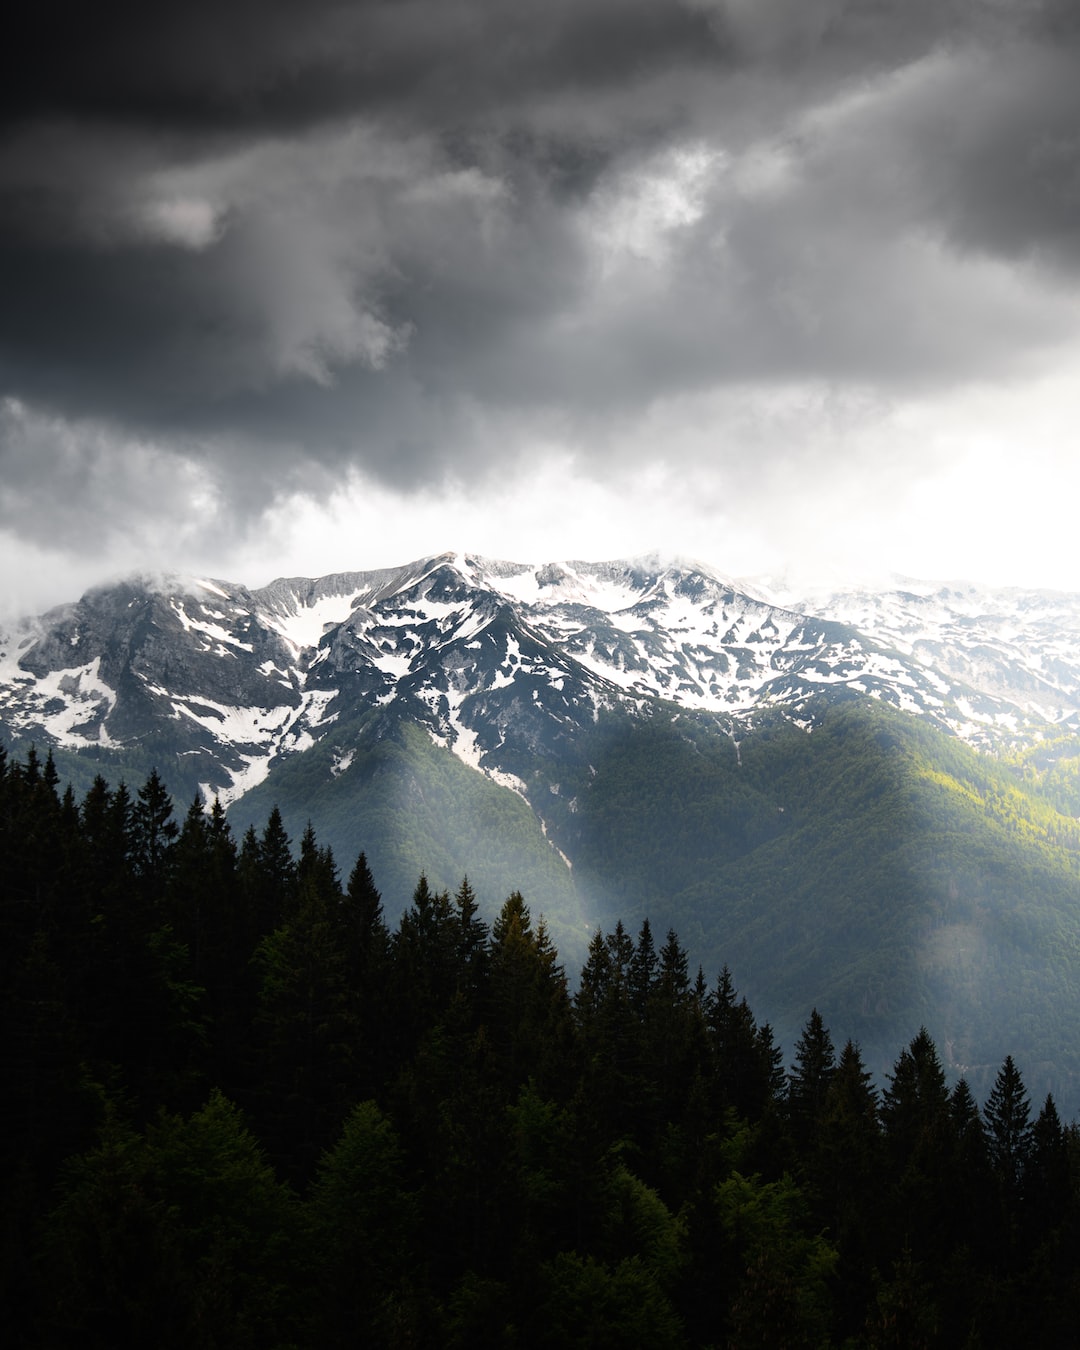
[868,804]
[242,1108]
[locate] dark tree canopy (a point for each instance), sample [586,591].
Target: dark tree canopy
[243,1110]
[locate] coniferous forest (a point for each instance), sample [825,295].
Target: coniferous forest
[240,1109]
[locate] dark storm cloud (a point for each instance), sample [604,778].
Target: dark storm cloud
[1000,146]
[414,236]
[253,63]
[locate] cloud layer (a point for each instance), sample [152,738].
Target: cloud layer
[254,250]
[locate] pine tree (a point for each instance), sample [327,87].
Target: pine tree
[473,941]
[673,978]
[915,1117]
[528,1002]
[844,1172]
[367,944]
[673,1065]
[745,1062]
[643,967]
[809,1079]
[154,832]
[1008,1124]
[595,982]
[609,1036]
[276,886]
[426,964]
[1046,1180]
[1050,1222]
[303,1032]
[914,1107]
[968,1183]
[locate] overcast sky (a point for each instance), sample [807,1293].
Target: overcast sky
[287,289]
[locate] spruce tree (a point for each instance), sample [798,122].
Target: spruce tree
[1047,1178]
[809,1079]
[528,1003]
[1008,1124]
[744,1061]
[472,941]
[844,1172]
[915,1117]
[643,966]
[914,1106]
[673,978]
[367,946]
[154,833]
[426,963]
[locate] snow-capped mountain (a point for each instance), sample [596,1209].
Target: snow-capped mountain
[498,659]
[648,718]
[1007,645]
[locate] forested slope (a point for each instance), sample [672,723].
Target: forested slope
[414,807]
[869,864]
[242,1109]
[873,866]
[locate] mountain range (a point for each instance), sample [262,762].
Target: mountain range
[864,800]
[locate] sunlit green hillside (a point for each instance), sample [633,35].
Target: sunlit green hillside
[874,867]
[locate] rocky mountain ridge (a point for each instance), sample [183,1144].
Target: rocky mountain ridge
[497,659]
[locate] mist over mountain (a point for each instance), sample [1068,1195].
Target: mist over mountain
[864,801]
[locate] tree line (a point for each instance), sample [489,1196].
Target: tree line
[243,1109]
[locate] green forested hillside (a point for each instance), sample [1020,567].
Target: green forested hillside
[1052,767]
[414,807]
[242,1109]
[873,866]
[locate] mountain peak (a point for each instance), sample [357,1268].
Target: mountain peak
[484,650]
